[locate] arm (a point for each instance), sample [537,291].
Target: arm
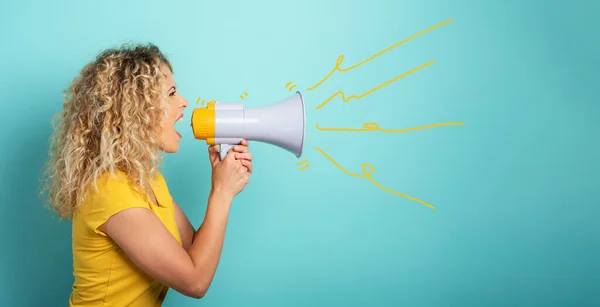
[186,230]
[146,241]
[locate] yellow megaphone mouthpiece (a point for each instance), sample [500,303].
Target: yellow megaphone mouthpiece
[203,122]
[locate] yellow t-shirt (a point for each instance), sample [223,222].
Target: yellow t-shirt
[104,274]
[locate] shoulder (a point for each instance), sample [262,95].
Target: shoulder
[109,195]
[114,186]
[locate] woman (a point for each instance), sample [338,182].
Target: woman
[131,241]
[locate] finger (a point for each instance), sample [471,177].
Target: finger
[213,152]
[245,142]
[213,148]
[242,169]
[244,156]
[240,148]
[247,164]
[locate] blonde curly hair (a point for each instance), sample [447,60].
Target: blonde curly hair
[108,123]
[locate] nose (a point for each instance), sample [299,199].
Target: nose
[184,103]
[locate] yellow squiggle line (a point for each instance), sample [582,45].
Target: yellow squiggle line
[367,174]
[301,162]
[304,167]
[373,126]
[340,59]
[373,89]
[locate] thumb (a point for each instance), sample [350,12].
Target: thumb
[213,149]
[213,155]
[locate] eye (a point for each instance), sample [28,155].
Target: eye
[172,94]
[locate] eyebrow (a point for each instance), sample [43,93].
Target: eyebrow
[172,88]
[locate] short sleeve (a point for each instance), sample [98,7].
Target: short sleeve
[114,195]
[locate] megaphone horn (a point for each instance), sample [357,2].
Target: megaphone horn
[282,124]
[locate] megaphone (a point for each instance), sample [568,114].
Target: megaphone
[282,124]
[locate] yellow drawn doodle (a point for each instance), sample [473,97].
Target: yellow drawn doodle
[290,87]
[368,170]
[340,59]
[301,163]
[373,89]
[373,126]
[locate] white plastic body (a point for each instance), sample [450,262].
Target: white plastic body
[282,124]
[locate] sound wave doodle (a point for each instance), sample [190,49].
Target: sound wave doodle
[373,126]
[203,101]
[242,96]
[344,99]
[291,87]
[368,170]
[340,59]
[302,162]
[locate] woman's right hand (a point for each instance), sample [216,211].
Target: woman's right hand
[229,176]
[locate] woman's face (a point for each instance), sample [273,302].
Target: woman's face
[169,137]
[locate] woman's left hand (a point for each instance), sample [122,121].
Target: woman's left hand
[243,154]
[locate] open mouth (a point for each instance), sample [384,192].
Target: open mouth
[177,120]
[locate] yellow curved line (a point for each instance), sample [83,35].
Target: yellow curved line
[338,166]
[376,88]
[197,100]
[367,174]
[340,59]
[301,162]
[304,167]
[373,126]
[292,87]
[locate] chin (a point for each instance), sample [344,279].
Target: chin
[173,149]
[170,144]
[170,148]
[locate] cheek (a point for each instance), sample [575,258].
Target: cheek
[172,108]
[169,114]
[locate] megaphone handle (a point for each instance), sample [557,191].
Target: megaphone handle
[224,150]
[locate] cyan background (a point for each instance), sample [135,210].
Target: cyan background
[515,188]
